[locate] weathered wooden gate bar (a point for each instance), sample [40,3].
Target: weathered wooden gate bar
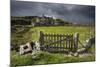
[41,40]
[76,38]
[59,42]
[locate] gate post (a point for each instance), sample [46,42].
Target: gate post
[41,40]
[76,38]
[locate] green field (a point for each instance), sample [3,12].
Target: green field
[66,30]
[32,33]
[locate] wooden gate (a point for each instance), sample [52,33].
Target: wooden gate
[59,42]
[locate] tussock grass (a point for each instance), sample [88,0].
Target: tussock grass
[45,57]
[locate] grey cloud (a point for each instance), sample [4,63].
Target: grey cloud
[68,12]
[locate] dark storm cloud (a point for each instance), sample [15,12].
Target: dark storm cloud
[68,12]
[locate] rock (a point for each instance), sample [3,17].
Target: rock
[31,47]
[37,45]
[71,53]
[81,50]
[21,50]
[25,48]
[76,54]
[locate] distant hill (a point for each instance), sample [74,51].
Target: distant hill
[37,21]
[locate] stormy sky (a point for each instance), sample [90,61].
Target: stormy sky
[67,12]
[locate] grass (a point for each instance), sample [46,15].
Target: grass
[46,58]
[19,60]
[29,34]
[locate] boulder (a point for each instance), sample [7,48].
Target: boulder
[25,48]
[30,47]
